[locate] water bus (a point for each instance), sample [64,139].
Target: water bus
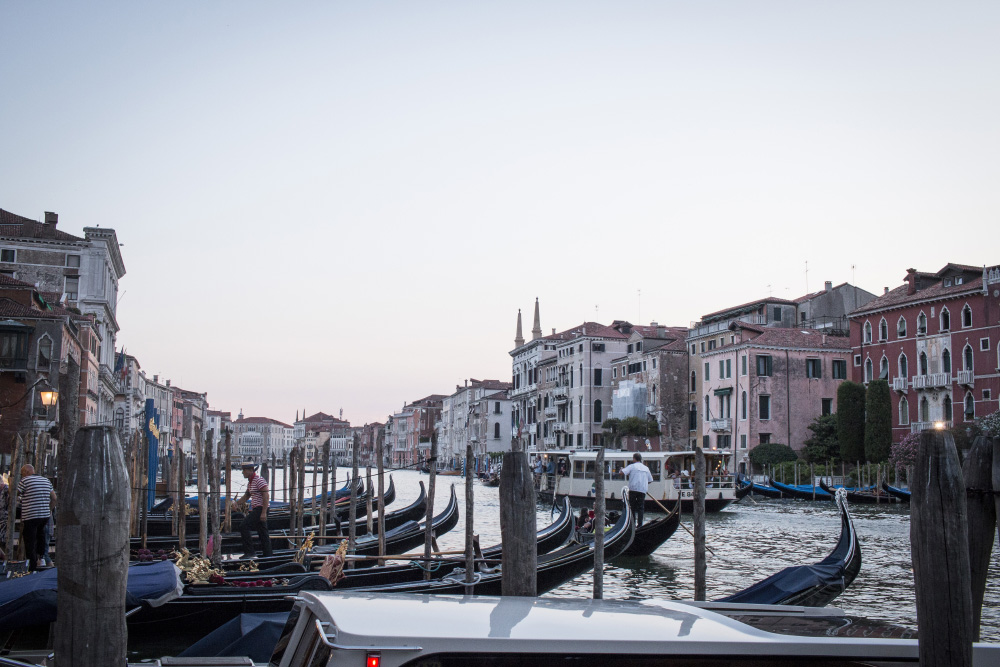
[673,478]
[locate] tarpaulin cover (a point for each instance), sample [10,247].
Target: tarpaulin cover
[251,635]
[792,580]
[192,501]
[31,600]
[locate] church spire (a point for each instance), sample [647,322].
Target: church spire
[536,327]
[518,337]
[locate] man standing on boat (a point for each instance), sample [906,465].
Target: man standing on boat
[37,498]
[638,477]
[256,516]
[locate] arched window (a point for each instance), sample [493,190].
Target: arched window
[692,380]
[945,319]
[967,353]
[654,394]
[597,411]
[869,370]
[923,363]
[883,330]
[904,411]
[966,316]
[904,370]
[743,406]
[946,362]
[868,332]
[44,353]
[970,407]
[947,408]
[901,327]
[921,324]
[883,368]
[925,410]
[496,434]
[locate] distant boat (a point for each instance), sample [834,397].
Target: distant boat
[872,497]
[801,491]
[902,494]
[765,490]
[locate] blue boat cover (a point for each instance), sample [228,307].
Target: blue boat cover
[251,635]
[31,600]
[780,585]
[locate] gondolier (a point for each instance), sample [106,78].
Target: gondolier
[256,517]
[638,477]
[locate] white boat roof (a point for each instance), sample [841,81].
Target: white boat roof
[437,623]
[623,454]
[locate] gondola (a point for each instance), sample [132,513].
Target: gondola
[650,535]
[743,487]
[161,507]
[765,490]
[863,497]
[802,492]
[811,585]
[233,541]
[206,607]
[901,494]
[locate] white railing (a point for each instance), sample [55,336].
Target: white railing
[899,383]
[559,426]
[965,377]
[931,380]
[551,412]
[549,441]
[720,424]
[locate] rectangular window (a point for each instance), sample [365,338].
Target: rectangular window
[984,344]
[707,376]
[72,288]
[814,368]
[703,347]
[827,406]
[579,440]
[8,255]
[776,314]
[857,359]
[722,369]
[839,368]
[654,363]
[987,395]
[704,441]
[597,347]
[598,372]
[73,261]
[729,368]
[638,346]
[614,372]
[711,345]
[743,441]
[630,348]
[764,365]
[743,365]
[765,438]
[764,407]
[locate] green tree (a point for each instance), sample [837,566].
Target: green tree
[851,420]
[771,453]
[824,445]
[878,421]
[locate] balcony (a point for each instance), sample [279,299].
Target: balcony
[560,396]
[551,412]
[899,384]
[720,424]
[549,441]
[917,427]
[559,426]
[931,380]
[965,377]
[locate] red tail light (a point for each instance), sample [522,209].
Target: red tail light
[373,660]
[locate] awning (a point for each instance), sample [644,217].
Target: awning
[724,392]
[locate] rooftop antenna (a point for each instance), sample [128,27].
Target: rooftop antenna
[769,293]
[807,276]
[640,307]
[597,313]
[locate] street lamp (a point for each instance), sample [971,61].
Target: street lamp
[49,397]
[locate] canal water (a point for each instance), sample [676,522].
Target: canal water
[751,540]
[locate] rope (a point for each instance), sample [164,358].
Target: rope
[431,567]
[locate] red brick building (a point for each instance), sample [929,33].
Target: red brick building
[935,339]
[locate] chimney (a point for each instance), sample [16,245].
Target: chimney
[553,331]
[885,290]
[156,378]
[168,383]
[828,285]
[51,218]
[911,281]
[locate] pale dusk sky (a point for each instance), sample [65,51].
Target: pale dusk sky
[342,205]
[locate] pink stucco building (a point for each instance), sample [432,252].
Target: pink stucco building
[768,385]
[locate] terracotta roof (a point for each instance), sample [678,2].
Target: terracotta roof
[593,329]
[12,224]
[898,297]
[957,267]
[491,384]
[12,309]
[260,420]
[322,417]
[7,281]
[780,337]
[748,305]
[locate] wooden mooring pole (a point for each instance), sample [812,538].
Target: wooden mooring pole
[325,504]
[939,544]
[470,555]
[978,472]
[379,447]
[215,500]
[519,574]
[199,454]
[599,521]
[15,479]
[93,517]
[700,559]
[181,511]
[428,525]
[229,480]
[352,511]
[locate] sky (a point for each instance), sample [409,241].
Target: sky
[338,205]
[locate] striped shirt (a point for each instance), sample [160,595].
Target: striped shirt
[34,494]
[257,487]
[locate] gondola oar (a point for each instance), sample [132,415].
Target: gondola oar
[680,522]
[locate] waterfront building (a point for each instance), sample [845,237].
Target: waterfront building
[462,420]
[163,403]
[826,310]
[130,399]
[490,423]
[369,436]
[650,381]
[218,423]
[190,414]
[83,271]
[935,339]
[408,432]
[258,438]
[315,431]
[767,384]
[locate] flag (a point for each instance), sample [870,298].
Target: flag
[517,424]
